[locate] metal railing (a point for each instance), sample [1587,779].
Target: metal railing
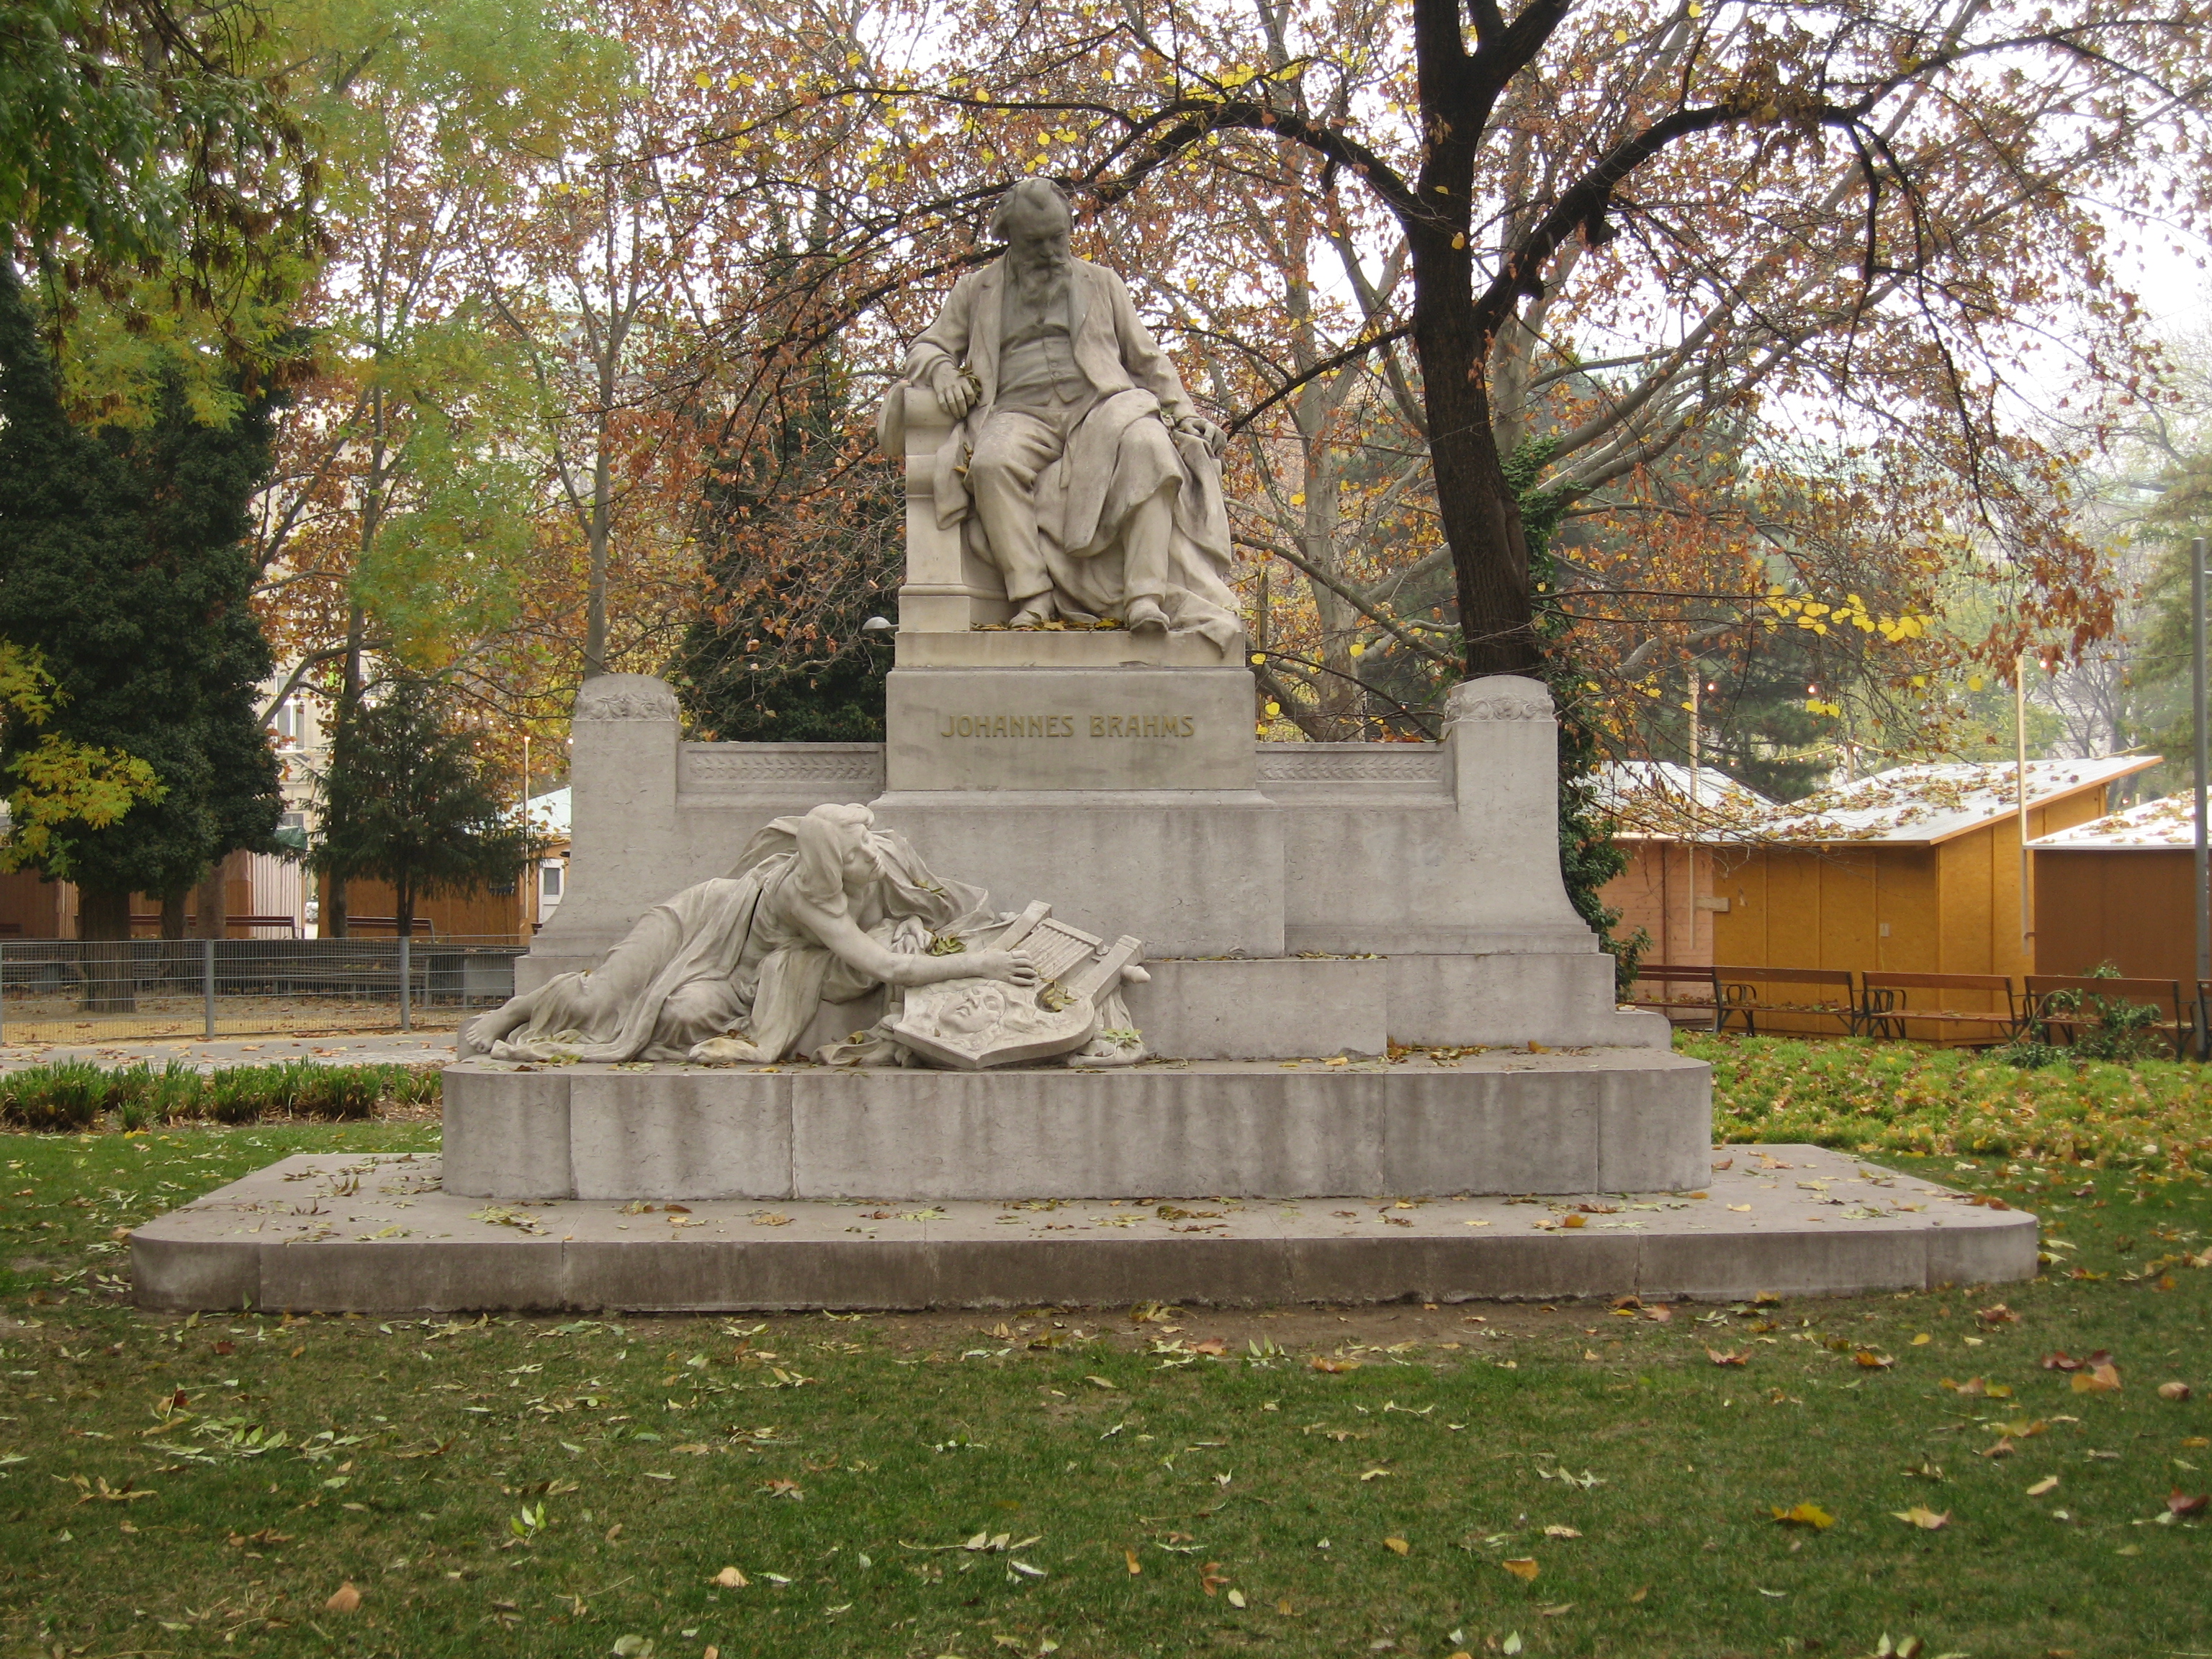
[98,990]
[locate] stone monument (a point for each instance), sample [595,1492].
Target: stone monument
[776,976]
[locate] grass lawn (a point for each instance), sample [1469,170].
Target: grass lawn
[1568,1480]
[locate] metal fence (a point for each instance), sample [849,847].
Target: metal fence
[101,990]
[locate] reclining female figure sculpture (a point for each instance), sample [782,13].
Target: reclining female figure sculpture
[823,907]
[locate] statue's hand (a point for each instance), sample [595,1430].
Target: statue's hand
[1205,431]
[956,391]
[1012,966]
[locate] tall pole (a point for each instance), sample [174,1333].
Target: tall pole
[2019,801]
[2197,707]
[530,869]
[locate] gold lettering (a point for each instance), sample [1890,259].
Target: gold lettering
[963,728]
[1151,726]
[947,732]
[1097,725]
[1188,730]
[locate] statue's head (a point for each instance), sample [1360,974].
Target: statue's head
[837,854]
[1033,220]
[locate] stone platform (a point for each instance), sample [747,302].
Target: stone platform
[376,1234]
[1503,1121]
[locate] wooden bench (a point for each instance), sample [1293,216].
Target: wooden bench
[2066,1021]
[1705,1007]
[1747,993]
[389,925]
[1887,1005]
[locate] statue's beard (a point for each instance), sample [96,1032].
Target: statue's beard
[1038,277]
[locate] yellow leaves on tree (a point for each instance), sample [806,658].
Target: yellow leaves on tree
[59,783]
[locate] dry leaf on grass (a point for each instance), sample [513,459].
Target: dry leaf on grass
[345,1599]
[1523,1567]
[2100,1379]
[2048,1484]
[1135,1565]
[2176,1391]
[1741,1357]
[1921,1516]
[1869,1360]
[2180,1503]
[1321,1361]
[1805,1514]
[1397,1547]
[730,1578]
[1561,1532]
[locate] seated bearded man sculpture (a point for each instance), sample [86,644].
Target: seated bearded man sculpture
[822,908]
[1076,462]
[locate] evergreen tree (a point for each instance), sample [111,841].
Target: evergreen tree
[121,565]
[806,541]
[410,802]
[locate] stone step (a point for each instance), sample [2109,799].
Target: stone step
[376,1234]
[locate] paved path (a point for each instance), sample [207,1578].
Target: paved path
[381,1047]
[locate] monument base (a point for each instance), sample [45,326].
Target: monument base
[1500,1122]
[374,1235]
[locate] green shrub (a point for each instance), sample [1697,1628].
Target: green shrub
[72,1095]
[180,1093]
[130,1096]
[75,1095]
[242,1094]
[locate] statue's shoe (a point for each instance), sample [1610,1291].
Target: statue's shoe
[1144,616]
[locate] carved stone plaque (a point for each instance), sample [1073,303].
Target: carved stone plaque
[975,1024]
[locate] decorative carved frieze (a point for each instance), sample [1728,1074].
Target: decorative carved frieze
[1362,763]
[625,705]
[1501,697]
[710,768]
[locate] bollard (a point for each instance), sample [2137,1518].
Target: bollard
[207,987]
[406,1023]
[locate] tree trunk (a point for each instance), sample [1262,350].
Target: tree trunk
[103,922]
[172,915]
[1480,514]
[214,918]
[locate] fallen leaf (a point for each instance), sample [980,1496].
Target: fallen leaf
[1321,1361]
[1574,1221]
[1744,1207]
[2173,1391]
[2003,1449]
[1921,1516]
[730,1578]
[1561,1532]
[1999,1314]
[345,1599]
[1742,1355]
[1806,1514]
[1212,1345]
[2101,1379]
[1868,1359]
[1135,1565]
[1236,1598]
[2048,1484]
[2061,1361]
[1210,1578]
[1375,1475]
[1922,1341]
[1661,1315]
[1103,1383]
[1637,1594]
[2179,1503]
[1523,1567]
[1513,1643]
[2196,1443]
[1397,1547]
[1283,1607]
